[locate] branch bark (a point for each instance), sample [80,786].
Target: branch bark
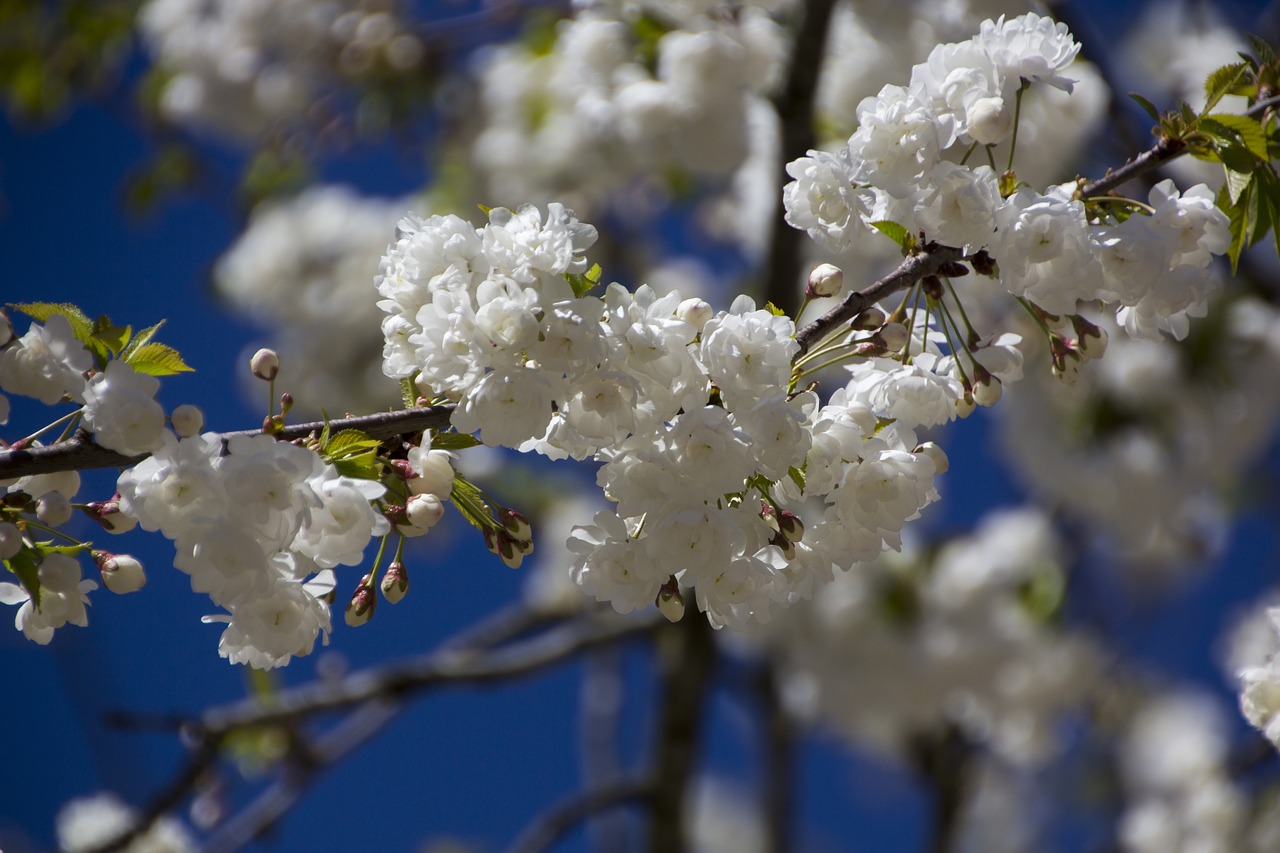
[80,453]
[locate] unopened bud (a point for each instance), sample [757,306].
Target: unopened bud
[988,390]
[769,515]
[500,542]
[941,464]
[265,364]
[785,545]
[1091,339]
[1067,369]
[965,405]
[363,603]
[790,525]
[121,573]
[53,509]
[825,280]
[989,121]
[953,269]
[515,524]
[436,476]
[670,602]
[108,514]
[696,311]
[187,420]
[984,264]
[422,513]
[893,336]
[872,318]
[395,583]
[6,329]
[10,540]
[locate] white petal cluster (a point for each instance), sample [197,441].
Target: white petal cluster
[245,69]
[701,445]
[121,411]
[250,526]
[302,269]
[63,598]
[1155,269]
[47,363]
[911,643]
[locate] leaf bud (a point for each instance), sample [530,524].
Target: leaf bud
[363,603]
[265,364]
[825,280]
[121,573]
[941,464]
[872,318]
[395,583]
[187,420]
[670,602]
[696,311]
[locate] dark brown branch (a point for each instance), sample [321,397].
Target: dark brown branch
[943,760]
[779,747]
[688,656]
[80,453]
[923,263]
[450,666]
[554,823]
[794,106]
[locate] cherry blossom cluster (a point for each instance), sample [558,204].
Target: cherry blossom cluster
[258,526]
[706,450]
[1154,268]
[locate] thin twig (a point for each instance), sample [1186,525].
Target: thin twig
[451,666]
[551,825]
[80,453]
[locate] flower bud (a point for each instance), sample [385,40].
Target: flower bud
[932,287]
[988,390]
[363,602]
[984,264]
[696,311]
[893,336]
[121,573]
[422,513]
[395,583]
[265,364]
[1067,369]
[187,420]
[989,122]
[53,509]
[872,318]
[108,514]
[500,543]
[435,475]
[790,525]
[785,545]
[769,515]
[941,464]
[1091,340]
[670,602]
[965,405]
[515,524]
[825,280]
[10,540]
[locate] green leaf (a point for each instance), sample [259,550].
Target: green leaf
[584,283]
[453,441]
[113,337]
[774,310]
[157,360]
[349,442]
[797,476]
[1239,225]
[484,208]
[140,340]
[1241,129]
[42,311]
[25,565]
[1222,82]
[1237,184]
[409,391]
[470,502]
[1146,105]
[896,233]
[1265,54]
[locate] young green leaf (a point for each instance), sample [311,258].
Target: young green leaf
[1146,105]
[896,233]
[157,360]
[1222,82]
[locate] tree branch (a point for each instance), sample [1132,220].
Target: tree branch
[923,263]
[794,106]
[554,823]
[80,453]
[689,658]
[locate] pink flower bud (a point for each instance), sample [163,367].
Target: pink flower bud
[824,280]
[395,583]
[121,573]
[265,364]
[363,602]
